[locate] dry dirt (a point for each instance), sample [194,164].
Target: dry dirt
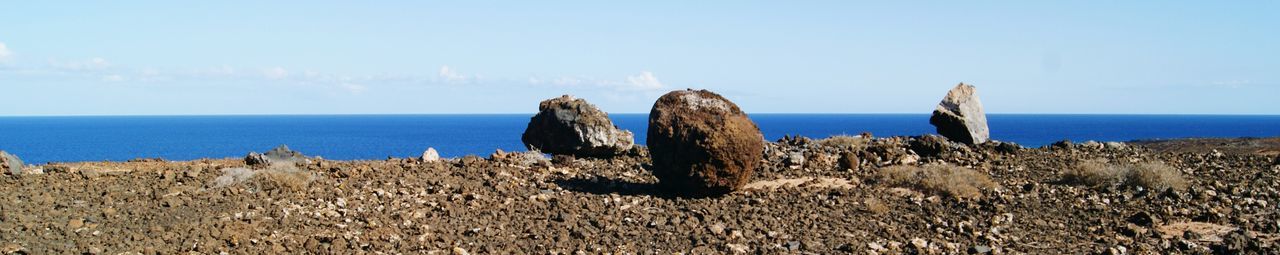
[596,206]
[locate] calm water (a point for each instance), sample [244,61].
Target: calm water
[117,138]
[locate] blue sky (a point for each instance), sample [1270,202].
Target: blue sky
[393,57]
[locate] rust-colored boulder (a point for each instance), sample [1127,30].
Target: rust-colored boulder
[702,144]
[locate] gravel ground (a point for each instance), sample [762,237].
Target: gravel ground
[803,201]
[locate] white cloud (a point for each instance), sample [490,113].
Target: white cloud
[4,52]
[644,81]
[275,73]
[448,75]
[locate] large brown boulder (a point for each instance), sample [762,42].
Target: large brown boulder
[10,164]
[570,126]
[702,144]
[960,117]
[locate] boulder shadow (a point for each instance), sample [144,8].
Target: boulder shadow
[604,186]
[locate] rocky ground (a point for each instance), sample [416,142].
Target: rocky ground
[810,197]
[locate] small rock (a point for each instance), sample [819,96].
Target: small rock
[430,155]
[717,229]
[460,251]
[928,145]
[795,160]
[1064,144]
[877,247]
[980,249]
[738,248]
[849,160]
[1143,219]
[919,244]
[793,245]
[1115,145]
[960,116]
[74,224]
[10,164]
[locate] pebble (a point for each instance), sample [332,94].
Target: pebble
[980,249]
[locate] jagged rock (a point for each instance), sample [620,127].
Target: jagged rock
[960,117]
[701,143]
[10,163]
[279,155]
[565,125]
[430,155]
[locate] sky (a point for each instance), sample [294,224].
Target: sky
[428,57]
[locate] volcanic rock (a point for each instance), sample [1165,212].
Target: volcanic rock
[701,143]
[849,160]
[279,155]
[929,145]
[565,125]
[430,155]
[960,117]
[10,163]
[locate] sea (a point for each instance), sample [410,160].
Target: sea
[371,137]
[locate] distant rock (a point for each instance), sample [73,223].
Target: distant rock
[566,125]
[279,155]
[430,155]
[10,163]
[960,117]
[702,144]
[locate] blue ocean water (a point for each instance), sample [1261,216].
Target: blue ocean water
[118,138]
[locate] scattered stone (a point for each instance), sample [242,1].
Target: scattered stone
[1064,144]
[980,249]
[279,155]
[795,160]
[10,163]
[565,125]
[849,161]
[1142,219]
[701,143]
[431,155]
[738,248]
[793,245]
[960,116]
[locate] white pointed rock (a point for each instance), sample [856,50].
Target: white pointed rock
[960,117]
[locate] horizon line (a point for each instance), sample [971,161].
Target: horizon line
[620,113]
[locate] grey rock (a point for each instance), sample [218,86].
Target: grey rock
[571,126]
[279,155]
[980,249]
[960,116]
[10,163]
